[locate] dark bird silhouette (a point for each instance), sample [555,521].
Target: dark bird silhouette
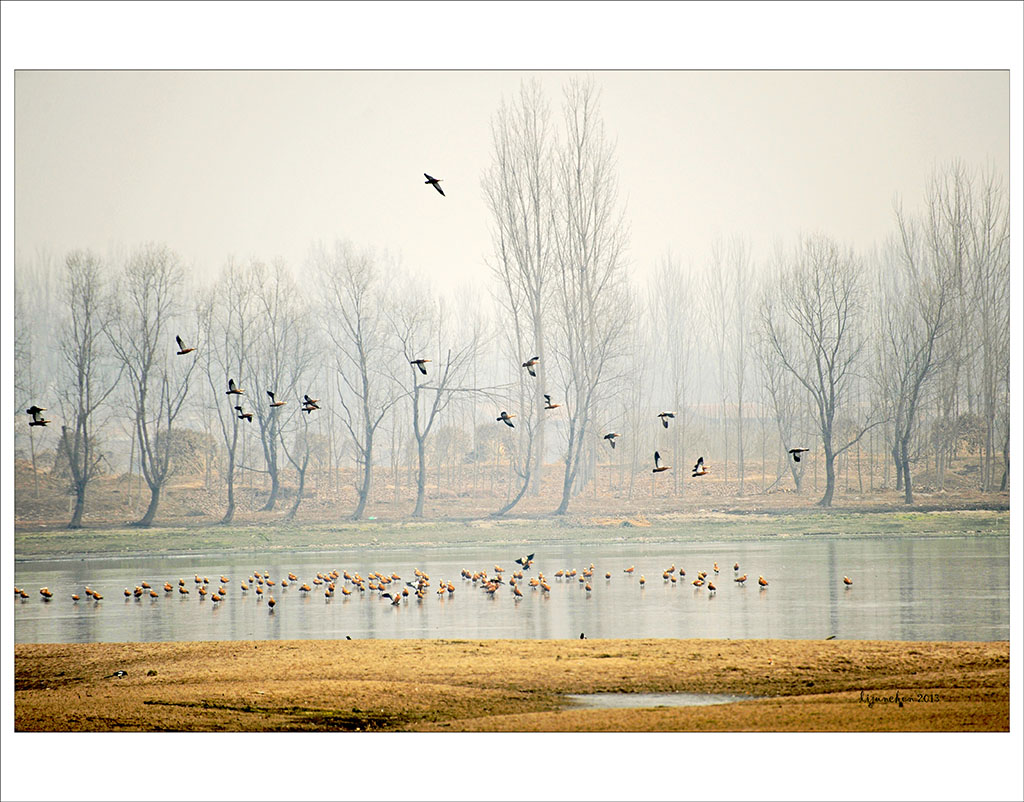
[182,350]
[526,561]
[610,437]
[309,404]
[665,416]
[548,404]
[273,402]
[434,182]
[698,468]
[246,416]
[796,452]
[529,363]
[37,416]
[582,636]
[232,389]
[420,363]
[658,467]
[506,419]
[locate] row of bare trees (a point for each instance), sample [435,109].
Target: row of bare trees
[909,344]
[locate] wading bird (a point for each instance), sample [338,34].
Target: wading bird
[698,468]
[847,581]
[273,402]
[796,452]
[434,182]
[505,418]
[548,404]
[182,350]
[741,579]
[658,467]
[232,389]
[665,416]
[610,437]
[762,582]
[529,363]
[421,364]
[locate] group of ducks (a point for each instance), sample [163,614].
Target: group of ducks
[386,585]
[308,404]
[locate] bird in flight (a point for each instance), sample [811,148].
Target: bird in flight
[699,469]
[37,416]
[796,452]
[246,416]
[506,419]
[610,437]
[273,402]
[525,561]
[548,404]
[309,404]
[181,346]
[232,389]
[529,363]
[421,364]
[665,416]
[434,182]
[658,467]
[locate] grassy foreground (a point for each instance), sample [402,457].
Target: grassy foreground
[509,685]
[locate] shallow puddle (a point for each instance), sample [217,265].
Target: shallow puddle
[605,700]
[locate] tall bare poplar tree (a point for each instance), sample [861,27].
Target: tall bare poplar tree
[86,377]
[811,319]
[141,333]
[519,189]
[590,239]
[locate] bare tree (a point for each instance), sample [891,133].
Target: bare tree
[811,320]
[85,380]
[228,319]
[914,312]
[590,238]
[716,308]
[353,307]
[519,188]
[139,330]
[417,320]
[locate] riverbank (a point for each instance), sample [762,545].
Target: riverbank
[709,525]
[510,685]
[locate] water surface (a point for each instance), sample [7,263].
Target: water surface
[905,588]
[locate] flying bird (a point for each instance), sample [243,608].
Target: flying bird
[665,416]
[37,416]
[526,561]
[421,363]
[796,452]
[434,182]
[698,468]
[548,404]
[506,419]
[610,437]
[658,467]
[529,363]
[273,402]
[232,389]
[309,404]
[247,416]
[182,349]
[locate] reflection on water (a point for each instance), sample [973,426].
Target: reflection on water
[904,589]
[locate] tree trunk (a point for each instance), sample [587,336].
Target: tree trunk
[298,495]
[275,485]
[830,477]
[154,500]
[421,479]
[76,517]
[908,496]
[229,513]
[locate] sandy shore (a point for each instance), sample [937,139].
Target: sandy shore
[508,685]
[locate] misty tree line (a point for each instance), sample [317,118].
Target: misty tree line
[904,348]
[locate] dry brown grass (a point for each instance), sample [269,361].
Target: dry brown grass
[508,685]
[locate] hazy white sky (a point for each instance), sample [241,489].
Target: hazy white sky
[263,163]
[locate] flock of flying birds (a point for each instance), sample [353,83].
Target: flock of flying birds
[390,587]
[700,468]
